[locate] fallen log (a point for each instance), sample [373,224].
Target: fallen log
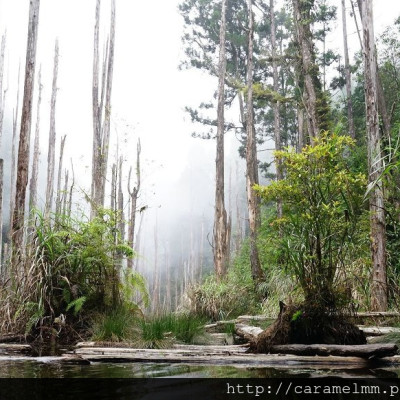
[248,318]
[248,332]
[224,355]
[368,351]
[12,338]
[374,314]
[14,348]
[378,330]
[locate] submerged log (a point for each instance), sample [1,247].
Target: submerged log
[363,351]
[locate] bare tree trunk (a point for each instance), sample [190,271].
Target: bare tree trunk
[26,119]
[302,17]
[350,118]
[71,190]
[253,202]
[64,200]
[114,188]
[156,273]
[133,194]
[379,294]
[14,156]
[121,218]
[220,218]
[277,120]
[36,153]
[101,111]
[60,163]
[52,137]
[2,95]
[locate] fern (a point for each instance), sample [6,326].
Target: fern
[77,304]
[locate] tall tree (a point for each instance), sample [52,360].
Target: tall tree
[133,197]
[59,176]
[347,74]
[2,93]
[52,136]
[14,154]
[220,217]
[36,152]
[101,110]
[379,294]
[276,103]
[302,20]
[26,120]
[253,201]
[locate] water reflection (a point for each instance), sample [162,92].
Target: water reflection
[51,367]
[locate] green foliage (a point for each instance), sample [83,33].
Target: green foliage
[230,297]
[116,326]
[323,205]
[161,331]
[75,266]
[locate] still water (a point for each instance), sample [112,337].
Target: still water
[51,367]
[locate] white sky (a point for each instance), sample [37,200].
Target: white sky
[149,92]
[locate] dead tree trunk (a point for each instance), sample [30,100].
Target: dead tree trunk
[2,94]
[133,194]
[277,120]
[348,74]
[220,218]
[120,205]
[253,202]
[36,153]
[156,274]
[26,120]
[60,164]
[14,155]
[52,137]
[101,111]
[71,190]
[64,197]
[379,294]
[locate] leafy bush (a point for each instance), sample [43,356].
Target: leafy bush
[320,231]
[75,266]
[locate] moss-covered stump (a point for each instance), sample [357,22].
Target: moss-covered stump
[307,325]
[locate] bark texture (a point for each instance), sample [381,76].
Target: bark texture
[302,18]
[101,103]
[276,105]
[133,197]
[26,119]
[220,218]
[379,295]
[52,136]
[347,73]
[253,201]
[36,153]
